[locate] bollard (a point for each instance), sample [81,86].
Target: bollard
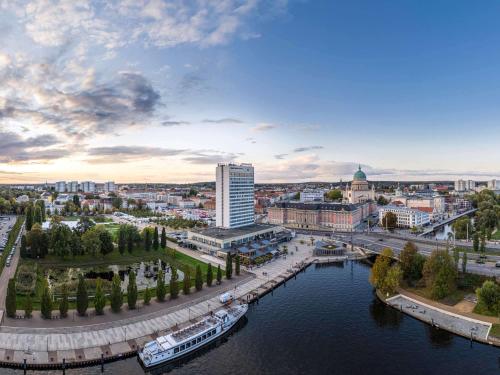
[64,366]
[25,366]
[102,362]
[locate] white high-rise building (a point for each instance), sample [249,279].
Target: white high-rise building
[72,187]
[88,186]
[460,185]
[234,190]
[61,186]
[109,186]
[492,184]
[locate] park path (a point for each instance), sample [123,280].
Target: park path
[8,273]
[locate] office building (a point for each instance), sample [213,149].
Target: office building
[61,186]
[109,187]
[234,195]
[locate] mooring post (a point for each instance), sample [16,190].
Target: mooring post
[25,366]
[64,366]
[102,362]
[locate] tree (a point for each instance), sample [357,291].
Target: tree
[116,297]
[334,195]
[210,275]
[122,240]
[76,200]
[229,266]
[46,302]
[440,274]
[82,298]
[76,244]
[117,202]
[462,227]
[163,239]
[380,268]
[475,242]
[489,296]
[91,241]
[29,217]
[147,296]
[382,201]
[390,220]
[482,245]
[156,244]
[63,303]
[186,283]
[10,300]
[219,274]
[161,289]
[411,262]
[28,307]
[38,216]
[392,279]
[147,239]
[132,291]
[106,239]
[456,257]
[174,286]
[24,252]
[198,281]
[99,298]
[464,262]
[237,267]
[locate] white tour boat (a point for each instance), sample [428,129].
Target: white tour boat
[189,339]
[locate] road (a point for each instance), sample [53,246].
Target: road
[377,243]
[8,272]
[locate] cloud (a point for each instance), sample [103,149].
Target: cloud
[262,127]
[69,98]
[309,148]
[122,154]
[210,158]
[15,149]
[227,120]
[251,140]
[280,156]
[174,123]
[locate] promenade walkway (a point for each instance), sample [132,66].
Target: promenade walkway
[90,342]
[459,324]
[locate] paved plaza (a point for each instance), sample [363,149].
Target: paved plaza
[458,324]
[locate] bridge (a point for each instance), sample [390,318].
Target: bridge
[447,221]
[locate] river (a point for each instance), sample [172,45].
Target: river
[328,321]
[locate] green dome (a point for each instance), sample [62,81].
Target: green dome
[359,175]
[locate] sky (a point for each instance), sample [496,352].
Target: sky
[161,91]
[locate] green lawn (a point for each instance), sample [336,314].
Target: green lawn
[496,235]
[495,330]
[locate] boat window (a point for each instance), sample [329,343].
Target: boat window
[188,344]
[198,339]
[193,342]
[213,332]
[209,334]
[204,337]
[176,350]
[183,347]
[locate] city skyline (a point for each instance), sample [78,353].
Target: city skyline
[303,90]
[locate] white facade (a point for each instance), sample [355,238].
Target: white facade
[465,185]
[88,186]
[407,217]
[61,186]
[109,186]
[310,195]
[72,187]
[234,201]
[493,185]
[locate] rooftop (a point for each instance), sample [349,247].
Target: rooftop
[223,233]
[318,206]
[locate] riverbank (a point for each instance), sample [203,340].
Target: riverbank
[471,326]
[64,347]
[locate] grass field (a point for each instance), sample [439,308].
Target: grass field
[495,330]
[496,236]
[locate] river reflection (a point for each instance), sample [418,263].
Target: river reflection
[328,321]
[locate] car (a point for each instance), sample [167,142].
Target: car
[479,261]
[497,264]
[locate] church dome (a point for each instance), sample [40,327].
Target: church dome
[359,175]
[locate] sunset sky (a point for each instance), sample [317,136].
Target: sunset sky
[160,91]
